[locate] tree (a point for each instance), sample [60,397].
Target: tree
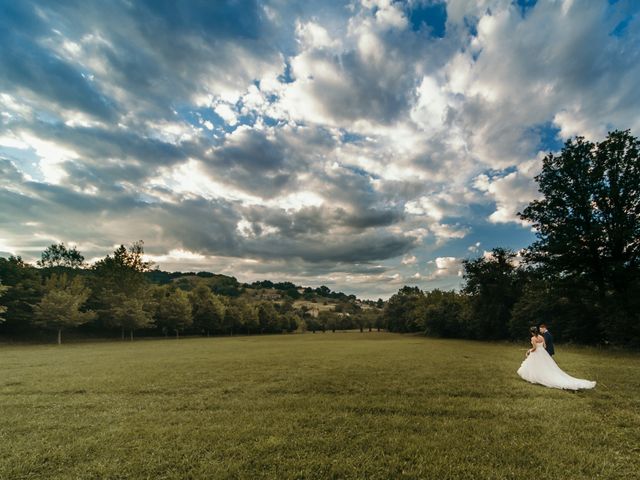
[249,317]
[267,317]
[173,309]
[61,304]
[232,318]
[588,225]
[291,322]
[120,288]
[3,309]
[446,314]
[25,291]
[131,313]
[404,311]
[494,285]
[207,309]
[58,255]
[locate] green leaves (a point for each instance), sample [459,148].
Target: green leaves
[588,221]
[61,305]
[58,255]
[588,228]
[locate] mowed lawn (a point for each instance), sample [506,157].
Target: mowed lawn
[343,405]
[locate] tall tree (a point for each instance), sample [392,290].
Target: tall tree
[61,305]
[404,311]
[58,255]
[207,309]
[120,288]
[446,314]
[588,224]
[493,284]
[25,291]
[173,309]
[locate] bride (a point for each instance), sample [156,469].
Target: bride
[540,368]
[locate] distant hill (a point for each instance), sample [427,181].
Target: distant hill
[267,290]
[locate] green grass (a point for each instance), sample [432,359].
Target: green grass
[371,405]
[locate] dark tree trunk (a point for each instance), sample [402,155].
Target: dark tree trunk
[59,336]
[122,331]
[131,334]
[177,335]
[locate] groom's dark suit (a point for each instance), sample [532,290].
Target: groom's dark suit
[548,342]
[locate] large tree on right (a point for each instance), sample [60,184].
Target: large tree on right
[588,225]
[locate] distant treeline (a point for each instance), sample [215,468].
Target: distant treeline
[122,293]
[582,275]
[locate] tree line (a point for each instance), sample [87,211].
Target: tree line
[122,292]
[582,274]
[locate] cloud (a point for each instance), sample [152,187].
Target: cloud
[511,192]
[348,145]
[446,267]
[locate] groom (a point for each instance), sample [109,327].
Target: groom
[548,339]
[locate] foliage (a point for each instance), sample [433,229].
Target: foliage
[120,290]
[61,305]
[173,309]
[207,309]
[446,314]
[58,255]
[3,309]
[405,310]
[25,291]
[588,228]
[131,313]
[493,285]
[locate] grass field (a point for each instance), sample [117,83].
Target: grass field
[345,405]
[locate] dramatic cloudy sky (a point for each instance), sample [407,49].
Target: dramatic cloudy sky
[363,145]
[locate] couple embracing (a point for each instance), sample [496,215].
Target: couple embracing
[539,366]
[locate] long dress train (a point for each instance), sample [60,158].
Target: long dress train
[540,368]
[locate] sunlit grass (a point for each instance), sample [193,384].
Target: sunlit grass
[345,405]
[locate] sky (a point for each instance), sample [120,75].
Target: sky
[362,145]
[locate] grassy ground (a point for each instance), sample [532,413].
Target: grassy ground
[350,405]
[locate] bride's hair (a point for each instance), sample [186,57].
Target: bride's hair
[533,331]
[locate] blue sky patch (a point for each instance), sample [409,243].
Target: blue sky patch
[432,16]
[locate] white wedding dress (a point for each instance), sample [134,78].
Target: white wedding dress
[540,368]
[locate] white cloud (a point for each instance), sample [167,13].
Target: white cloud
[409,260]
[446,267]
[512,192]
[379,140]
[225,111]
